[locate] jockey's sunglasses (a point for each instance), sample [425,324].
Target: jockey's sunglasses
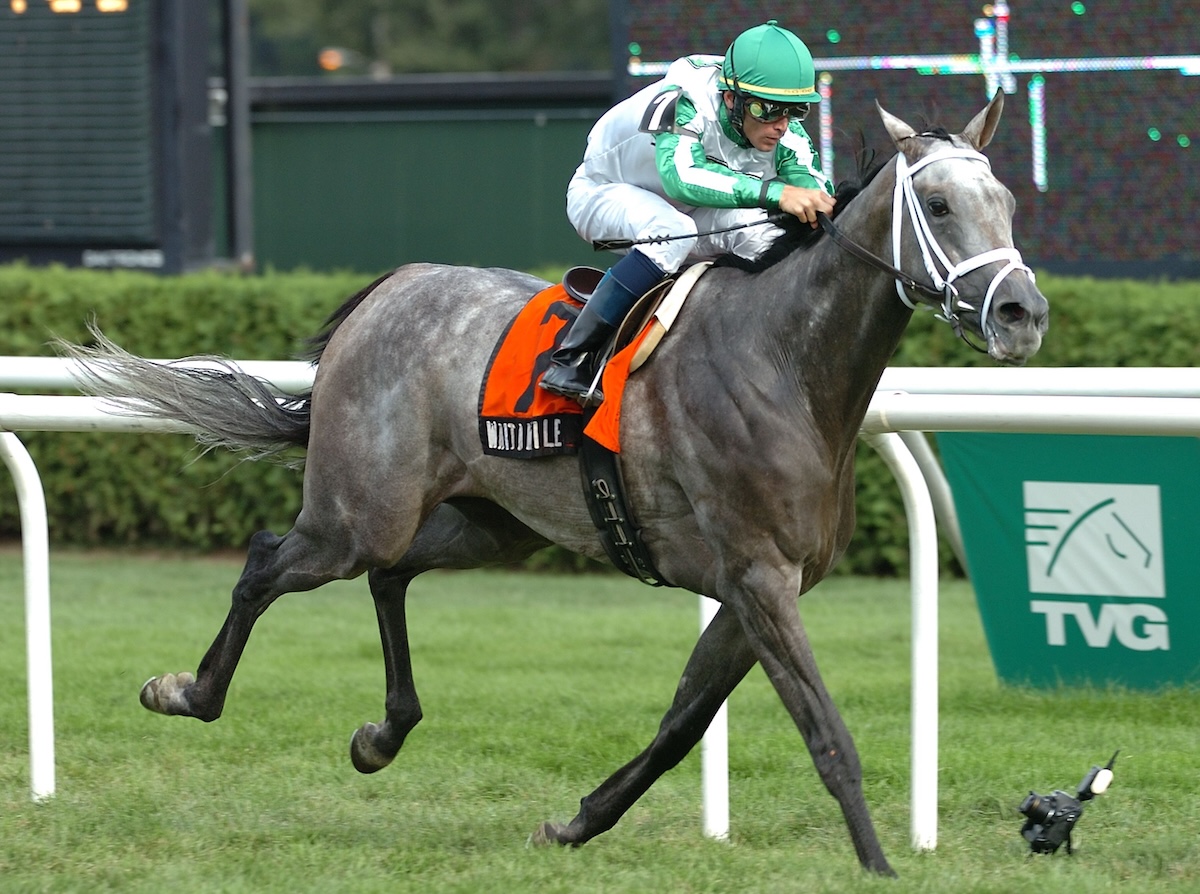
[766,112]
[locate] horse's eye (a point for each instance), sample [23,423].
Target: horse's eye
[938,207]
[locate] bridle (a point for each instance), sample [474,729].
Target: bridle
[938,266]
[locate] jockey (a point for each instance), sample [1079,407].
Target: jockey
[716,143]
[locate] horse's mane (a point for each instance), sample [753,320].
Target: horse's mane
[800,235]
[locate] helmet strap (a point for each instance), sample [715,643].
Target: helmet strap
[737,115]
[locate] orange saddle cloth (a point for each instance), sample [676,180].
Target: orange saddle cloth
[517,418]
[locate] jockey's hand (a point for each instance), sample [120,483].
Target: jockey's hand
[805,203]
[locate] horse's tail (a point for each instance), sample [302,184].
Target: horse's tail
[222,404]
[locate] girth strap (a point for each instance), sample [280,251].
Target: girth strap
[604,491]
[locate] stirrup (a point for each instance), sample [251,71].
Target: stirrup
[582,388]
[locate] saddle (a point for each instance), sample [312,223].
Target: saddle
[654,313]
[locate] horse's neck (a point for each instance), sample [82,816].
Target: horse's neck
[842,317]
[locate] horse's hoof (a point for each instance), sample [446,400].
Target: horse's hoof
[882,868]
[548,833]
[164,695]
[363,754]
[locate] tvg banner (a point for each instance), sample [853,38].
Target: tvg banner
[1083,553]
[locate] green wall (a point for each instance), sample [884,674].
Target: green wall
[369,191]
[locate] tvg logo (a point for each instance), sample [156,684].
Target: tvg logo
[1119,619]
[1097,539]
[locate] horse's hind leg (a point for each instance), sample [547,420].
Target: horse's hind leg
[465,534]
[274,566]
[721,659]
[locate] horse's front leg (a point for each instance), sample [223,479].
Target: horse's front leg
[772,623]
[720,661]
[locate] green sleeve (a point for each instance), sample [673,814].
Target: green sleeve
[797,162]
[688,176]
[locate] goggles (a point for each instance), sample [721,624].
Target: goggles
[766,111]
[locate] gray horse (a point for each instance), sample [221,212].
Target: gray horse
[737,437]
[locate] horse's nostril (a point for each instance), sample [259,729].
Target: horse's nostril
[1012,313]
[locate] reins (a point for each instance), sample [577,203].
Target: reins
[864,254]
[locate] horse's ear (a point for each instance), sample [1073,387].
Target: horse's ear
[983,126]
[896,128]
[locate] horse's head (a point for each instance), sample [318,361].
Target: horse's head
[953,219]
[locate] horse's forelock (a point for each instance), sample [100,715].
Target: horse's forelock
[933,133]
[927,129]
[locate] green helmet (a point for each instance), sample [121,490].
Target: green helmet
[771,63]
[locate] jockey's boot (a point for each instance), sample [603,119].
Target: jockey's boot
[575,361]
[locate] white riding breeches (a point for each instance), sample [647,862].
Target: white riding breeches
[601,210]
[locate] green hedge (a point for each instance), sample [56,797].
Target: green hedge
[153,489]
[156,491]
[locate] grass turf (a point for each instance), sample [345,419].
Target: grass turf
[535,687]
